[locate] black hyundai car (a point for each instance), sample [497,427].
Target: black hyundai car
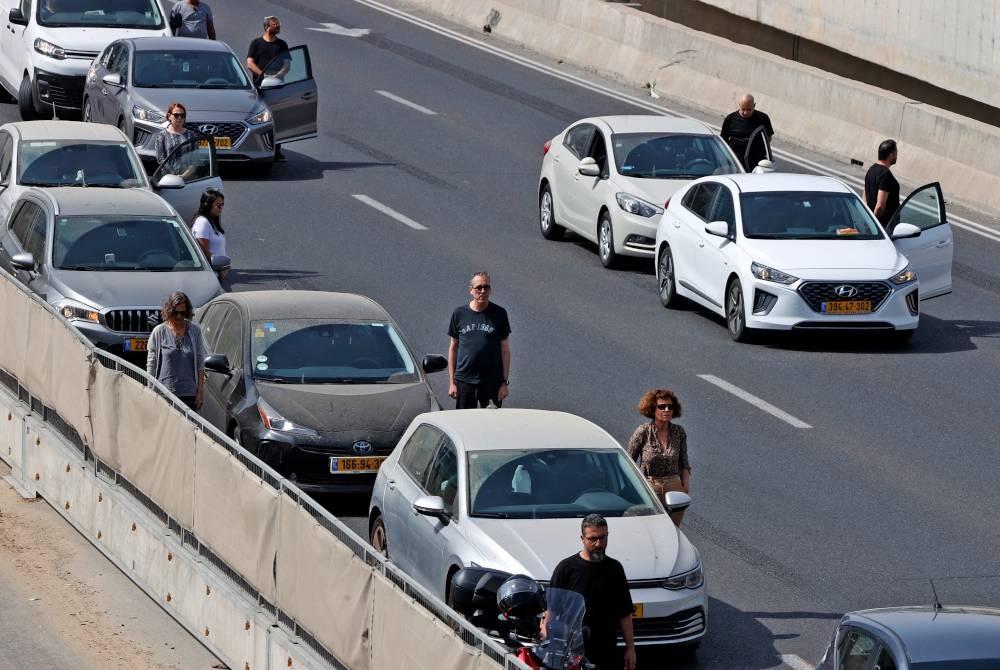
[319,385]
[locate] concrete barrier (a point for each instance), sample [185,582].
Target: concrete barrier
[808,106]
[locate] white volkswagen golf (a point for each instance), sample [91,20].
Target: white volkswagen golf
[790,251]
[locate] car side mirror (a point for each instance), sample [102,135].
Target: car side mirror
[25,261]
[271,82]
[588,167]
[676,501]
[903,231]
[220,262]
[434,363]
[218,363]
[17,18]
[170,181]
[112,79]
[717,228]
[432,506]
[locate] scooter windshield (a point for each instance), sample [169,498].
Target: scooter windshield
[563,644]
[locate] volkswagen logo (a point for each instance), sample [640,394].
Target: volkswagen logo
[362,447]
[845,291]
[208,129]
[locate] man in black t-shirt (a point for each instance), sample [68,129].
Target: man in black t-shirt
[745,123]
[881,187]
[601,581]
[479,352]
[262,53]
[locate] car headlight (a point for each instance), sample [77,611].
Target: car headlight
[904,277]
[770,274]
[150,115]
[72,312]
[262,116]
[691,579]
[49,49]
[637,206]
[274,421]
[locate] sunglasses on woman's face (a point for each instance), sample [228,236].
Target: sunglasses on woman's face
[665,406]
[178,115]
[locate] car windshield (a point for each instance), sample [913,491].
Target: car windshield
[556,484]
[188,69]
[807,215]
[100,13]
[659,156]
[78,163]
[106,243]
[318,351]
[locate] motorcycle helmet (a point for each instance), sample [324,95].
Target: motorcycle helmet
[520,598]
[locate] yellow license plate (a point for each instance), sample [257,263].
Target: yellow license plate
[636,610]
[136,344]
[847,307]
[222,142]
[355,464]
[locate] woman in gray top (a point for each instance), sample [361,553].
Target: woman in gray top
[172,137]
[176,351]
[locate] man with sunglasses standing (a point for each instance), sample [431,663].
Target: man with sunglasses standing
[479,352]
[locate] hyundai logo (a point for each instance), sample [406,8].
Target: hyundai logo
[845,291]
[362,447]
[208,128]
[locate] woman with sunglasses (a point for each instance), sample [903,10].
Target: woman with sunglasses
[172,137]
[176,351]
[659,447]
[207,226]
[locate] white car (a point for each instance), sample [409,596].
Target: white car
[618,202]
[507,488]
[73,153]
[790,251]
[47,46]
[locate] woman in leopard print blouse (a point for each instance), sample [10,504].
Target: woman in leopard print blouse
[659,447]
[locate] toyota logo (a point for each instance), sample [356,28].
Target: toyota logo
[845,291]
[362,447]
[209,128]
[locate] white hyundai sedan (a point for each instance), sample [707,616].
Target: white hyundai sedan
[507,488]
[607,178]
[791,251]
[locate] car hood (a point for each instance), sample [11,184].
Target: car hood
[879,256]
[328,408]
[647,546]
[655,191]
[90,38]
[103,290]
[201,104]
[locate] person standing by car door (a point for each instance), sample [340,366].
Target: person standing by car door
[881,187]
[479,352]
[207,226]
[263,50]
[739,127]
[659,448]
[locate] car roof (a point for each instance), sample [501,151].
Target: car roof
[307,304]
[510,428]
[784,181]
[82,201]
[177,44]
[67,130]
[950,633]
[653,123]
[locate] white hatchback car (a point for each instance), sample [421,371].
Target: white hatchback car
[790,251]
[618,202]
[507,488]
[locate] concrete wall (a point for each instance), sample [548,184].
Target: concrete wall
[949,43]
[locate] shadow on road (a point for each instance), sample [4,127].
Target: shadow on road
[298,167]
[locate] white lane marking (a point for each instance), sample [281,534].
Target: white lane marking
[796,662]
[404,101]
[388,211]
[854,180]
[337,29]
[759,403]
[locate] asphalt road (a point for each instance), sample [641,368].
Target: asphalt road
[893,483]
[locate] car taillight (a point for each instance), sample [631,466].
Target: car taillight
[546,147]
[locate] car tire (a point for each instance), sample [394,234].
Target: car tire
[666,278]
[606,241]
[378,538]
[87,114]
[736,312]
[25,101]
[547,216]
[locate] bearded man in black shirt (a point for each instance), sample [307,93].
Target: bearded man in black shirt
[262,53]
[601,581]
[881,187]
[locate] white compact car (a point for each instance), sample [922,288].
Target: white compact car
[47,46]
[507,488]
[790,251]
[607,178]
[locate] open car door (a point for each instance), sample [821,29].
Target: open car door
[288,88]
[185,174]
[930,253]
